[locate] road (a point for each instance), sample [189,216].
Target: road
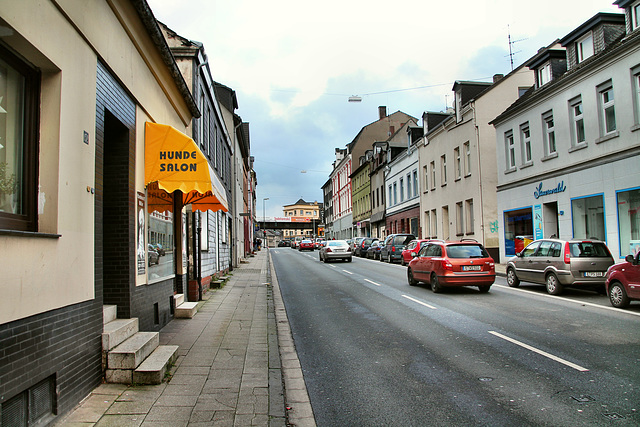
[375,351]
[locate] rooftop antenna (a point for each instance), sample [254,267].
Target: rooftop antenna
[511,43]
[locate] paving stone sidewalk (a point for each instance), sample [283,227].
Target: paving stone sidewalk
[236,366]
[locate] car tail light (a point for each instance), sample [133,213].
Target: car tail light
[567,253]
[393,248]
[446,265]
[328,250]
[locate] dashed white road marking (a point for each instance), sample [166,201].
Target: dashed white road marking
[543,353]
[348,272]
[419,302]
[373,283]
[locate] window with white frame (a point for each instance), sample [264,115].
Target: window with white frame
[433,175]
[466,147]
[584,47]
[458,163]
[401,190]
[525,141]
[426,177]
[549,133]
[415,183]
[395,193]
[469,216]
[434,223]
[459,219]
[636,92]
[578,134]
[443,169]
[544,74]
[635,15]
[427,223]
[409,192]
[607,109]
[390,198]
[510,149]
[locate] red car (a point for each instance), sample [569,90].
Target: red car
[622,281]
[412,250]
[463,263]
[306,245]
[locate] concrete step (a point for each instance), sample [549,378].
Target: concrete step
[178,299]
[131,353]
[186,310]
[117,331]
[154,368]
[109,313]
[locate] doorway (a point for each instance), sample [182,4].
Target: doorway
[550,218]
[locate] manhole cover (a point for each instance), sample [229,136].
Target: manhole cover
[583,398]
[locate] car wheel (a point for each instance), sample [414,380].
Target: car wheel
[410,279]
[553,286]
[484,288]
[512,279]
[618,296]
[389,260]
[435,284]
[349,259]
[325,259]
[380,258]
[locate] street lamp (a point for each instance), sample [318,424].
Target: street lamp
[264,232]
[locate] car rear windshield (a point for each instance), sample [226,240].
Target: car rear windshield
[466,251]
[402,240]
[368,241]
[589,250]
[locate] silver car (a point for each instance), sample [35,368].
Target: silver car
[559,263]
[336,249]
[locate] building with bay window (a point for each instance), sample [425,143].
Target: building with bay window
[568,151]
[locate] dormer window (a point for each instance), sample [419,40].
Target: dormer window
[635,15]
[544,74]
[584,47]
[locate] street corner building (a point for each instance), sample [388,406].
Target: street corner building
[86,92]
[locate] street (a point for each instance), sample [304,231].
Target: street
[375,351]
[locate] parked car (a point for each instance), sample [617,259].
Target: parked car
[306,245]
[463,263]
[284,243]
[152,256]
[355,242]
[374,250]
[558,263]
[361,248]
[336,249]
[622,281]
[393,246]
[412,250]
[319,243]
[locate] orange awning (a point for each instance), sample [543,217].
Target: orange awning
[175,162]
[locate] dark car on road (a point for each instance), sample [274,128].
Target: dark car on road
[558,263]
[362,247]
[394,244]
[374,250]
[622,281]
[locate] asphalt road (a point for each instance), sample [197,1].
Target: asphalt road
[376,351]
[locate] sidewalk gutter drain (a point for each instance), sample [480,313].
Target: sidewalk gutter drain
[613,416]
[583,398]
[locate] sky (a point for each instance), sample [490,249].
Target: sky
[294,65]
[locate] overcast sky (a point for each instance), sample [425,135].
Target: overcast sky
[294,64]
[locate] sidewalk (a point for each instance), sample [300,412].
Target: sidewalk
[237,365]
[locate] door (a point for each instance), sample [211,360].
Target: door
[524,263]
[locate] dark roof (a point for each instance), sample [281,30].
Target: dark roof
[544,55]
[597,19]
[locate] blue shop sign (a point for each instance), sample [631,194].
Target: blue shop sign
[539,192]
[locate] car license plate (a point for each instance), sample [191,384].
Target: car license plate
[593,274]
[471,267]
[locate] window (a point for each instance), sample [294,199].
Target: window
[433,175]
[19,96]
[588,218]
[427,223]
[415,183]
[34,406]
[510,150]
[635,16]
[466,147]
[549,134]
[395,193]
[409,192]
[458,163]
[401,190]
[607,109]
[636,93]
[459,219]
[434,223]
[544,74]
[443,169]
[584,48]
[426,177]
[578,135]
[469,216]
[629,221]
[390,198]
[525,140]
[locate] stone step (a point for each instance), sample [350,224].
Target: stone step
[131,353]
[154,368]
[186,310]
[178,299]
[117,331]
[109,313]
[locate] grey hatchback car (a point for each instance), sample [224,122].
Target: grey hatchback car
[558,263]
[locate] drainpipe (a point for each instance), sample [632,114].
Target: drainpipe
[475,124]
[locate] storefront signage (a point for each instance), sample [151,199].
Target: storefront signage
[178,167]
[539,192]
[537,221]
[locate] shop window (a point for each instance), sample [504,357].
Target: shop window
[159,228]
[588,217]
[629,221]
[19,95]
[518,230]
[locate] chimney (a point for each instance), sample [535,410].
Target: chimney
[382,112]
[497,77]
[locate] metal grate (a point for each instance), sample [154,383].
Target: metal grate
[14,411]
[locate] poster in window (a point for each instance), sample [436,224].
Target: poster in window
[140,258]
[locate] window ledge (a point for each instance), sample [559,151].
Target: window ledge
[612,135]
[458,179]
[511,170]
[549,157]
[29,234]
[580,146]
[526,165]
[635,128]
[444,185]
